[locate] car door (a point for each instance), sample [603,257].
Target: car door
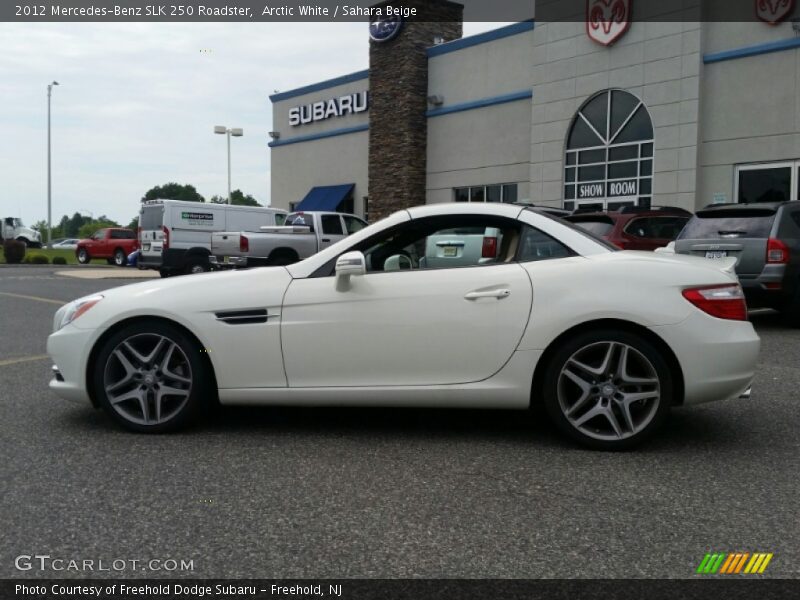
[402,325]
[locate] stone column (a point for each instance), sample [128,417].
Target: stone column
[398,86]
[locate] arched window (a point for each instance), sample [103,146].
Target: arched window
[609,160]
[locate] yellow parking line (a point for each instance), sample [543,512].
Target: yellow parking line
[14,361]
[36,298]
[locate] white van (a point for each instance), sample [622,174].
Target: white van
[175,236]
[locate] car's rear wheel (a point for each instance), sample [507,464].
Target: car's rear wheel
[119,258]
[196,265]
[83,256]
[282,258]
[790,313]
[608,389]
[151,378]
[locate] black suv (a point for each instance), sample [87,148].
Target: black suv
[765,240]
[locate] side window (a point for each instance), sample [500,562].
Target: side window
[301,219]
[353,224]
[443,243]
[796,217]
[99,235]
[331,225]
[280,218]
[642,228]
[535,246]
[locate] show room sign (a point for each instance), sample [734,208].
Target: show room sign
[340,106]
[612,189]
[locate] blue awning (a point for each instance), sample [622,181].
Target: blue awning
[325,197]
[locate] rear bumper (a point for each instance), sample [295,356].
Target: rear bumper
[718,358]
[218,262]
[769,288]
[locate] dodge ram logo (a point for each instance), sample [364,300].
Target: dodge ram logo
[773,11]
[607,20]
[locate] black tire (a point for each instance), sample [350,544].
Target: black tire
[282,258]
[120,259]
[790,313]
[185,411]
[25,241]
[196,265]
[165,273]
[609,395]
[83,256]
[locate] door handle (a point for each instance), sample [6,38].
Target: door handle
[326,239]
[499,294]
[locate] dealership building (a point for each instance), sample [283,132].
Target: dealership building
[593,114]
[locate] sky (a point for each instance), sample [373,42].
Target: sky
[137,104]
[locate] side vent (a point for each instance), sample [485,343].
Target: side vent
[243,317]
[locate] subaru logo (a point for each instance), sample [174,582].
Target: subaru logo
[384,29]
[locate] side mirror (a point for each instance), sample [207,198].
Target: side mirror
[350,264]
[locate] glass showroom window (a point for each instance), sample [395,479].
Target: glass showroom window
[609,158]
[772,182]
[501,192]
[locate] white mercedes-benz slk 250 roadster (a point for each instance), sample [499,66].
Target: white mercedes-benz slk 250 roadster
[453,305]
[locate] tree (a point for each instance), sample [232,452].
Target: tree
[134,224]
[74,225]
[174,191]
[238,198]
[87,229]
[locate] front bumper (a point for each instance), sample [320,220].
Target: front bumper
[69,349]
[718,357]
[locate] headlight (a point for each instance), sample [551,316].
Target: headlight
[69,312]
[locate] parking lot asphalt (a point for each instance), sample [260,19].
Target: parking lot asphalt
[308,493]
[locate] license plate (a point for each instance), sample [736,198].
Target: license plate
[226,259]
[450,251]
[145,247]
[717,254]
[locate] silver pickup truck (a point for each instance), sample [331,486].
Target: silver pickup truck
[302,235]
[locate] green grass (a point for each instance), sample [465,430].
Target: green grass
[69,255]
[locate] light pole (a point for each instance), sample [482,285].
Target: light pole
[235,132]
[49,177]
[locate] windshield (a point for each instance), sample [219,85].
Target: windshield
[730,224]
[18,223]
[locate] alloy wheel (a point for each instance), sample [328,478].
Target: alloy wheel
[609,391]
[147,379]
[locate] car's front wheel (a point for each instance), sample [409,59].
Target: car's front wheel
[608,389]
[120,259]
[151,378]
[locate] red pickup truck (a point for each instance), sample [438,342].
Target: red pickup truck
[113,244]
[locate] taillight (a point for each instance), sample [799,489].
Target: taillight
[777,252]
[489,249]
[165,230]
[721,301]
[621,244]
[244,244]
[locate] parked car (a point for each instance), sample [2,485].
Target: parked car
[114,244]
[764,239]
[66,244]
[303,234]
[175,236]
[632,228]
[607,341]
[12,228]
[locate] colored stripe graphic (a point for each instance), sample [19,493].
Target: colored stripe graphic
[731,563]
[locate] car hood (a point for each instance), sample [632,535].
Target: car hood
[179,297]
